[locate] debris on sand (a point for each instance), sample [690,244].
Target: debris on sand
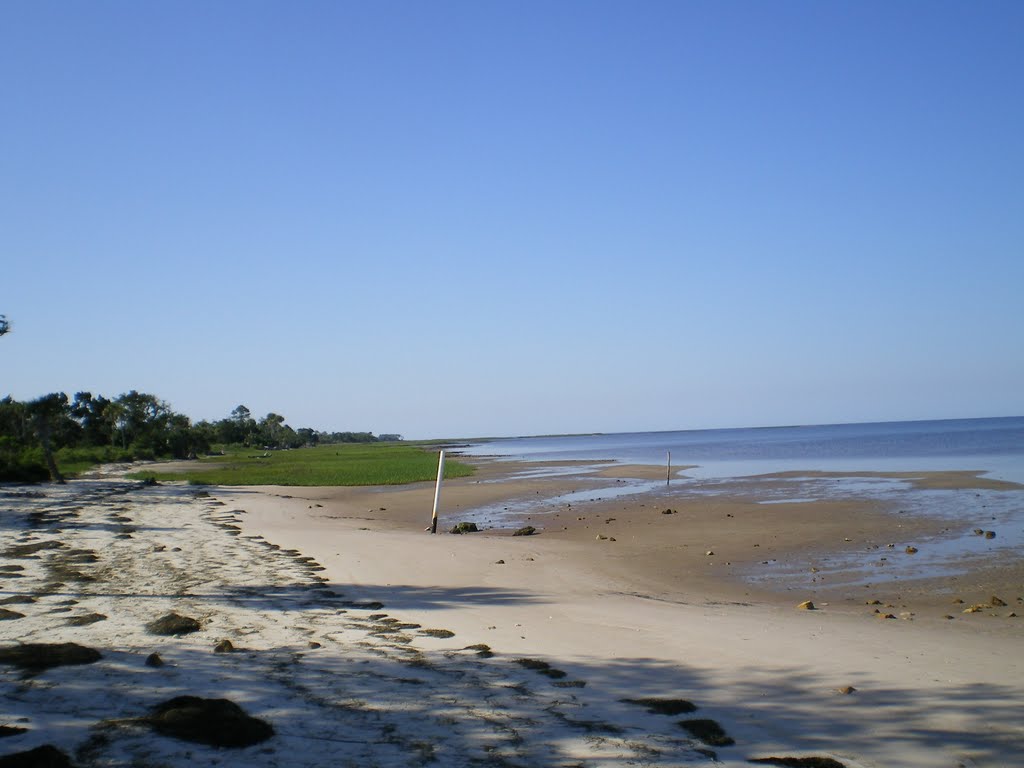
[217,722]
[542,667]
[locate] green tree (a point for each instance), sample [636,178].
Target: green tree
[47,415]
[271,428]
[5,326]
[92,415]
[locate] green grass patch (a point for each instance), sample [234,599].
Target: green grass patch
[342,464]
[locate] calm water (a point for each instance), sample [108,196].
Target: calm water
[995,446]
[727,461]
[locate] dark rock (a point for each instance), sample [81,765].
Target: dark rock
[217,722]
[86,619]
[6,615]
[996,602]
[664,706]
[464,528]
[11,730]
[528,530]
[708,732]
[39,656]
[990,534]
[46,756]
[800,762]
[224,646]
[173,624]
[154,660]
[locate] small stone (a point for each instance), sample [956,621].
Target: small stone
[846,690]
[979,532]
[527,530]
[154,660]
[911,550]
[995,602]
[709,553]
[990,534]
[224,646]
[314,644]
[499,562]
[807,605]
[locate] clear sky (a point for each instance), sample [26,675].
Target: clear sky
[480,218]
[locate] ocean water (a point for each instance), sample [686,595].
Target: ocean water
[730,461]
[994,446]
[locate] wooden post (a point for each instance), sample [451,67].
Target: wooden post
[668,469]
[437,491]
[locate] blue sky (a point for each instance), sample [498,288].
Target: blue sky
[498,218]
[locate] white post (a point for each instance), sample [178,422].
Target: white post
[437,491]
[668,469]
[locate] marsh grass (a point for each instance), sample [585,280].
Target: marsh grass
[344,464]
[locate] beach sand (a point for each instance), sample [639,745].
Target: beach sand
[365,640]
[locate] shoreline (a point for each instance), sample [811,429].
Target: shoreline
[620,597]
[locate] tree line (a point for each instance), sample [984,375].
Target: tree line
[37,435]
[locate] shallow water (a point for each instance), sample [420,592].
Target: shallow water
[731,460]
[995,446]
